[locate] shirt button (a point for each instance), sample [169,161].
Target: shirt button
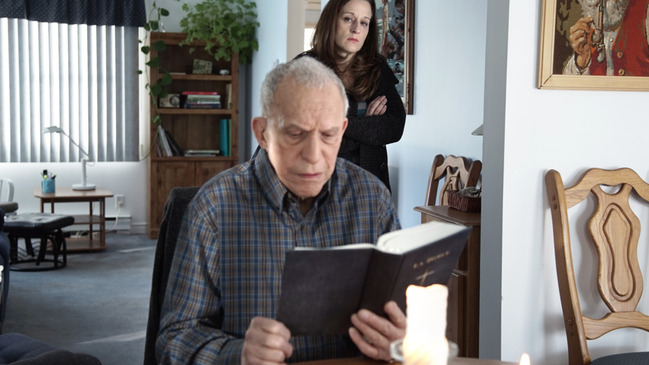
[621,72]
[620,54]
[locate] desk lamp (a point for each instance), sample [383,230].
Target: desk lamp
[84,185]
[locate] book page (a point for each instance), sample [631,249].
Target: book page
[343,247]
[410,238]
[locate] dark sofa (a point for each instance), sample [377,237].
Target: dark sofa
[19,349]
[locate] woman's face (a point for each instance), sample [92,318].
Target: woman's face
[352,27]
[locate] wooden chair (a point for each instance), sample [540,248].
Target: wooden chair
[614,230]
[456,173]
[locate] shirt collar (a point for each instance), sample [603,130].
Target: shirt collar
[273,188]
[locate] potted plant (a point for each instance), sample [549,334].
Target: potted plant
[226,27]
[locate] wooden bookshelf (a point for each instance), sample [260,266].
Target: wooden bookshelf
[192,129]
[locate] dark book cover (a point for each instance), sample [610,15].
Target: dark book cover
[322,288]
[175,148]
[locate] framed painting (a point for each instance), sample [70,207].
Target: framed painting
[594,45]
[395,20]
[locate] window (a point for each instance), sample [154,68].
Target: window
[73,65]
[79,77]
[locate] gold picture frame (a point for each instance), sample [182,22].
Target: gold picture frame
[556,18]
[399,48]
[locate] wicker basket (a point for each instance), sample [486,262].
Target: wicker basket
[464,203]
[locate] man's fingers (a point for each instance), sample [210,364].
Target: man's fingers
[396,315]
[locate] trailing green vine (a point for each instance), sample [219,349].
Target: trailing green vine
[156,88]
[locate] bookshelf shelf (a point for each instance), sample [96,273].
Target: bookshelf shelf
[202,77]
[183,111]
[191,129]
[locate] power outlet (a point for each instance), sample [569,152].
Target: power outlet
[119,201]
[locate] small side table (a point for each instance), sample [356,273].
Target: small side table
[464,286]
[68,195]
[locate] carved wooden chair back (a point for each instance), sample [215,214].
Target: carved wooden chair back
[456,174]
[614,231]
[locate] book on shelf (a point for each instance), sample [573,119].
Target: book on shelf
[201,100]
[322,288]
[228,96]
[200,93]
[199,153]
[192,105]
[175,148]
[224,136]
[164,143]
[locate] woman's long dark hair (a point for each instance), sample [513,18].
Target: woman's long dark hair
[365,66]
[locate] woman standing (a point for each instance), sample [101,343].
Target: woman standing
[346,39]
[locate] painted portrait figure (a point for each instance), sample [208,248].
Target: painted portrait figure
[611,38]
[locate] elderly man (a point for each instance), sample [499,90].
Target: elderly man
[225,280]
[612,38]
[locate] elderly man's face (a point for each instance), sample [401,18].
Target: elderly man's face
[303,135]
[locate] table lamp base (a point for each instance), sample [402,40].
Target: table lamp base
[83,186]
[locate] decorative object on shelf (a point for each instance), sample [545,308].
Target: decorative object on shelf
[170,101]
[226,27]
[84,159]
[224,72]
[202,67]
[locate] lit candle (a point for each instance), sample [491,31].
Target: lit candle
[525,359]
[425,341]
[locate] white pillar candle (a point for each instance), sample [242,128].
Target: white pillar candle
[425,341]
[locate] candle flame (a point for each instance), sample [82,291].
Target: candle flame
[525,359]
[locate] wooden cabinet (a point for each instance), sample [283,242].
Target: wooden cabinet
[462,323]
[192,129]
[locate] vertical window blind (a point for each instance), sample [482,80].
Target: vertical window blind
[81,78]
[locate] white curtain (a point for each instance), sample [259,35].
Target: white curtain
[78,77]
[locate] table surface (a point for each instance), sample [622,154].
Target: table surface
[366,361]
[69,193]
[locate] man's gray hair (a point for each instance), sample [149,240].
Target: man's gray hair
[305,71]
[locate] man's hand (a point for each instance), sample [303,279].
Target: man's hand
[580,36]
[377,106]
[266,342]
[373,334]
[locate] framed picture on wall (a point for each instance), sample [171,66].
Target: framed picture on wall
[395,20]
[594,45]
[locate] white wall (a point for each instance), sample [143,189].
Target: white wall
[569,131]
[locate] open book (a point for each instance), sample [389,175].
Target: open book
[322,288]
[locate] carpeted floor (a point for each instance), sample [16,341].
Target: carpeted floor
[98,304]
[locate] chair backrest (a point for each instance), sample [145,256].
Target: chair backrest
[172,216]
[7,202]
[6,190]
[614,230]
[455,172]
